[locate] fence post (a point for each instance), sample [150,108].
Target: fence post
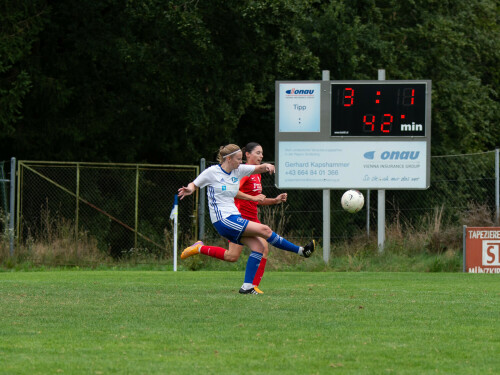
[136,214]
[77,212]
[12,203]
[497,185]
[3,180]
[18,203]
[201,208]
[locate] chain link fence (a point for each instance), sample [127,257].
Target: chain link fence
[124,208]
[459,184]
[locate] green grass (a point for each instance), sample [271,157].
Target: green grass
[151,322]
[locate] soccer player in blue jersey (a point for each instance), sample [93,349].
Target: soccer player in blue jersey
[223,182]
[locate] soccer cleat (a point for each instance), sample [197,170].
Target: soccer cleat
[192,250]
[258,290]
[309,249]
[248,291]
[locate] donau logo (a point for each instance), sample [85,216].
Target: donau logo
[393,155]
[299,92]
[369,155]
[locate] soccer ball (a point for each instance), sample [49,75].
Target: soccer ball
[352,201]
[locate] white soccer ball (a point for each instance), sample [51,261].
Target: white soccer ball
[352,201]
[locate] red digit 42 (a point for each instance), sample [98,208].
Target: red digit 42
[385,126]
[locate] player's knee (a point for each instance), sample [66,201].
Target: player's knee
[266,231]
[228,257]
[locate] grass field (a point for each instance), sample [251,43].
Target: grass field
[149,322]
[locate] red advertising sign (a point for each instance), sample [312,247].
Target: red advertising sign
[482,249]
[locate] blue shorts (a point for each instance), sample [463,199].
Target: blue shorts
[232,227]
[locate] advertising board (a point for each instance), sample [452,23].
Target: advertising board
[481,249]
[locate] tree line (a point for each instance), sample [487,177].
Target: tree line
[169,81]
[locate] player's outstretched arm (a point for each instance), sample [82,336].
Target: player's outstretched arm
[270,201]
[281,198]
[257,198]
[263,168]
[187,190]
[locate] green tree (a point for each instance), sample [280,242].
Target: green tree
[456,44]
[169,82]
[20,23]
[153,80]
[210,64]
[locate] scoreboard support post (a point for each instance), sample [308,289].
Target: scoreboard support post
[326,206]
[381,221]
[381,199]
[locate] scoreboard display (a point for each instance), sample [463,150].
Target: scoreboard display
[348,134]
[378,109]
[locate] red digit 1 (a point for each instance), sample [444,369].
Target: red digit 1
[348,97]
[387,124]
[369,125]
[408,96]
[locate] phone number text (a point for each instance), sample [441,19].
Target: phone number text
[312,172]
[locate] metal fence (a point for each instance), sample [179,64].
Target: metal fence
[459,184]
[125,207]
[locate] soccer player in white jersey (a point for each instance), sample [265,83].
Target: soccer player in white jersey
[222,182]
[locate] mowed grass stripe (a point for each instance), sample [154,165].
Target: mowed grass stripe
[146,322]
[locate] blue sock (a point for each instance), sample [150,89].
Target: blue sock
[252,266]
[279,242]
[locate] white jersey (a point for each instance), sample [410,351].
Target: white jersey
[222,187]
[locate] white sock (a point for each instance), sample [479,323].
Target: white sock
[301,251]
[247,286]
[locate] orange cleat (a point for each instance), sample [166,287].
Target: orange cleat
[192,250]
[258,290]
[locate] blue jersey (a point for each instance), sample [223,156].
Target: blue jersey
[222,187]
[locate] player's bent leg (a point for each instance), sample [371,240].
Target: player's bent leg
[254,229]
[213,251]
[253,243]
[263,231]
[234,252]
[200,248]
